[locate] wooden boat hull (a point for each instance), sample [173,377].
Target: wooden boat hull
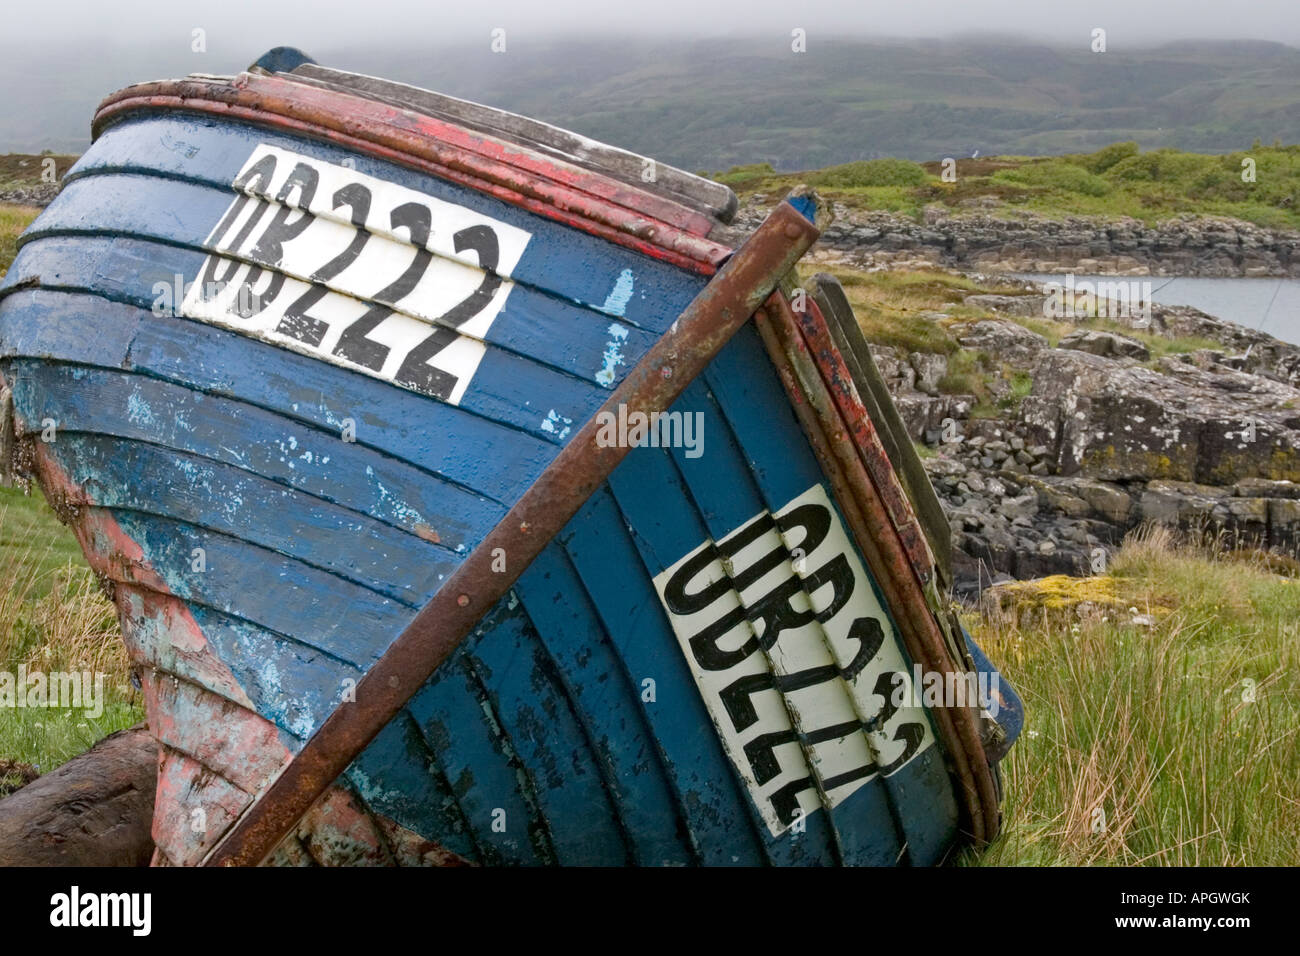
[697,670]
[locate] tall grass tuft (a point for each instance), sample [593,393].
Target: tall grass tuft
[1163,722]
[55,618]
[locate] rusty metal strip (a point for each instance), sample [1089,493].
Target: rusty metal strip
[873,529]
[580,468]
[514,174]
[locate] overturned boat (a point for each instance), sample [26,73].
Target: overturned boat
[470,491]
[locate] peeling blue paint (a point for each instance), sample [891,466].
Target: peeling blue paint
[613,355]
[619,296]
[557,424]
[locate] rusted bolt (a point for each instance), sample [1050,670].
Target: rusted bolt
[463,600]
[792,231]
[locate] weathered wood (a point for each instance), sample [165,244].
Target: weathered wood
[95,810]
[695,192]
[829,295]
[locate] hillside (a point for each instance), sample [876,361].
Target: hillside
[1116,180]
[717,102]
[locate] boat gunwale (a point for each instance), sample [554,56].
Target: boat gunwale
[576,197]
[805,372]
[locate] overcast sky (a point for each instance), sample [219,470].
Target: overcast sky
[328,24]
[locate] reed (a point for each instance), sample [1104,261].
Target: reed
[54,618]
[1163,703]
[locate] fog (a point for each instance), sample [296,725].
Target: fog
[332,23]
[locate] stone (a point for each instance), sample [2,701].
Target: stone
[930,369]
[1005,341]
[1109,344]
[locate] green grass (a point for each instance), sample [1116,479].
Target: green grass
[13,220]
[895,308]
[53,617]
[1152,723]
[1114,181]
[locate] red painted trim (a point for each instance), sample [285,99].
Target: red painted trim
[857,422]
[568,194]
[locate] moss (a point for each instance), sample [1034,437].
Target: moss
[1058,592]
[1282,464]
[1147,463]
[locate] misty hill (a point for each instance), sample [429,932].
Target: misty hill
[712,104]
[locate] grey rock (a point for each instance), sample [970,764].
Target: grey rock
[1110,344]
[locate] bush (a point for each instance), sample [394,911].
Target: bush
[1162,165]
[870,172]
[1055,174]
[1104,158]
[737,174]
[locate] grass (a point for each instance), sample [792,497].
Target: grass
[13,220]
[924,311]
[25,169]
[1163,712]
[1114,181]
[54,618]
[900,308]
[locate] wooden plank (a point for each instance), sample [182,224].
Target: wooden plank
[698,193]
[130,407]
[460,728]
[401,778]
[559,260]
[145,479]
[547,740]
[853,346]
[405,425]
[344,620]
[653,499]
[609,704]
[603,552]
[749,394]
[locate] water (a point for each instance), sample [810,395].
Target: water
[1269,305]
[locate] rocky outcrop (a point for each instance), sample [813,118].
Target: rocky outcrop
[1122,421]
[1016,240]
[39,195]
[1106,439]
[1108,344]
[1007,523]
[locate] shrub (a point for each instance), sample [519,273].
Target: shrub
[1104,158]
[1056,174]
[870,172]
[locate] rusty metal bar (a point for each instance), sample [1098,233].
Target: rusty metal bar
[581,467]
[869,518]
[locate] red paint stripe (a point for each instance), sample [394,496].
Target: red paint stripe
[569,195]
[459,144]
[839,382]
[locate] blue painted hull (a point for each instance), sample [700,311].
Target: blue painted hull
[270,521]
